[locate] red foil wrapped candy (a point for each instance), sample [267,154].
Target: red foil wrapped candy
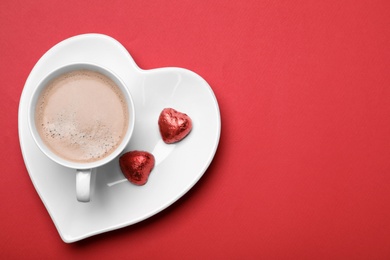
[136,166]
[174,125]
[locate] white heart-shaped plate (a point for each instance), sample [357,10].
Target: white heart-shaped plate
[117,203]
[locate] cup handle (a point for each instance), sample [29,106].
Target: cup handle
[83,185]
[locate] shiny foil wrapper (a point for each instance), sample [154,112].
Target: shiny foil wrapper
[174,125]
[136,166]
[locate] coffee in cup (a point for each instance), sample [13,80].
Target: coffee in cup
[82,116]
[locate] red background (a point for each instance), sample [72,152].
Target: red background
[303,166]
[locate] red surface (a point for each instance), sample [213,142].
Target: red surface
[303,166]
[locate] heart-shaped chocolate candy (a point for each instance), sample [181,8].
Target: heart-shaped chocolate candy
[137,166]
[174,125]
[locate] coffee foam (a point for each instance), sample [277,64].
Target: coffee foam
[82,116]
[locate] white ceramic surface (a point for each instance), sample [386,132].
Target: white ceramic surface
[117,203]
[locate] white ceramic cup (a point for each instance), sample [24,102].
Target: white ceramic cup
[83,170]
